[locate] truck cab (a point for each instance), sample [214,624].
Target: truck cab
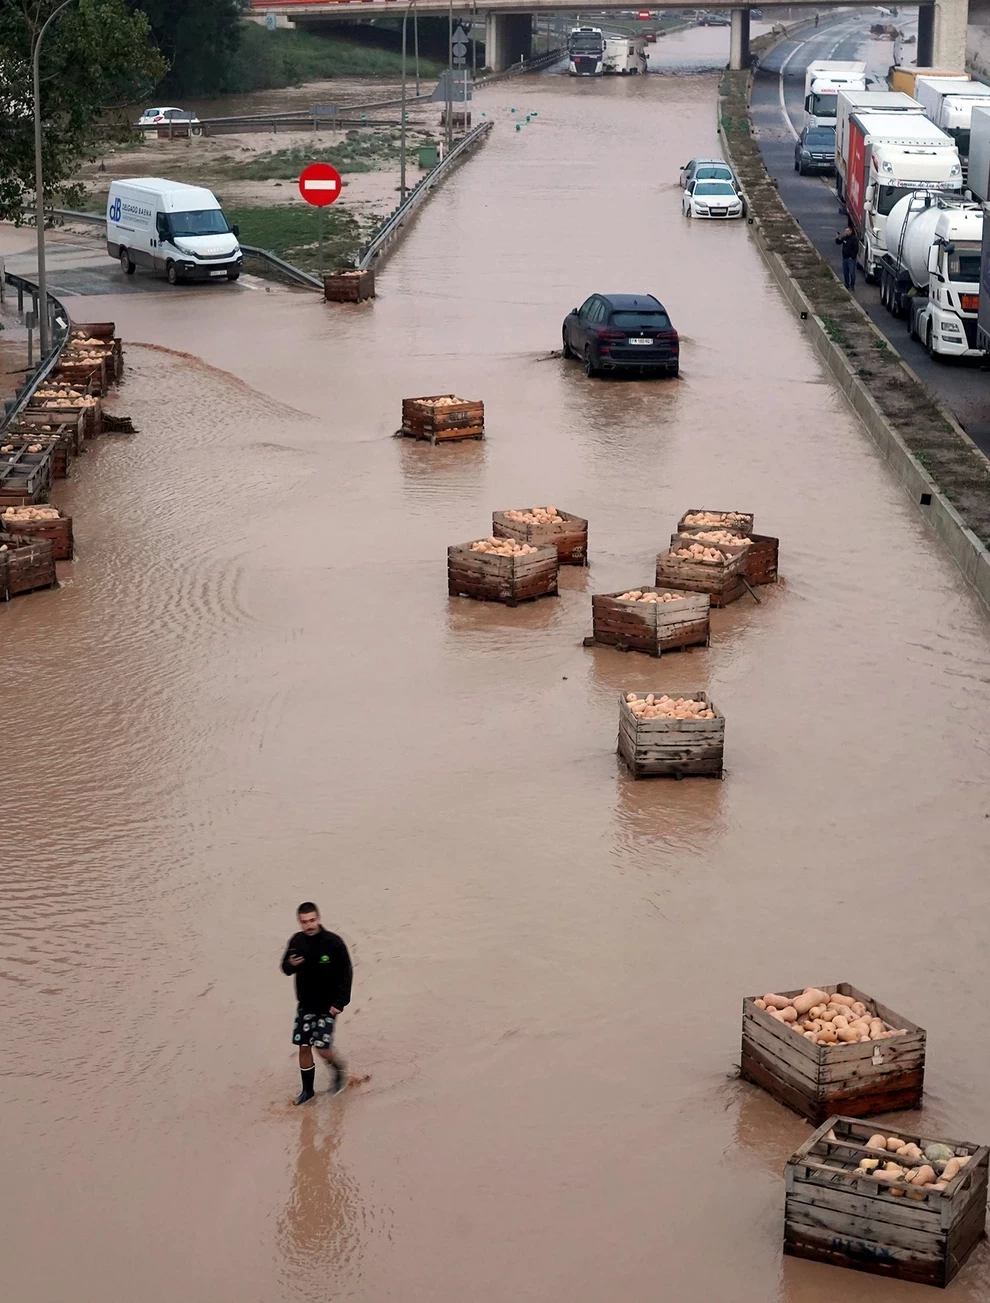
[822,83]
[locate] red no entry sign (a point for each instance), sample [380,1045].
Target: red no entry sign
[319,184]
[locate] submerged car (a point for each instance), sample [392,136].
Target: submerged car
[814,150]
[622,332]
[718,199]
[709,169]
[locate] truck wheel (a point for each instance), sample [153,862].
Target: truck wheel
[126,266]
[172,272]
[930,342]
[233,275]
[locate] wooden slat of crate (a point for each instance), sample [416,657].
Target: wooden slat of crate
[349,286]
[850,1221]
[671,747]
[569,538]
[26,565]
[94,329]
[651,627]
[845,1077]
[745,526]
[57,532]
[463,420]
[722,583]
[508,579]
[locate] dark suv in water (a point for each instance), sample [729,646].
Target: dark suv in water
[622,332]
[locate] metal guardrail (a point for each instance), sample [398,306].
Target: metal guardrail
[60,324]
[393,224]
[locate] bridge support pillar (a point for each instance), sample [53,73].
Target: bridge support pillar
[949,20]
[925,48]
[508,38]
[739,40]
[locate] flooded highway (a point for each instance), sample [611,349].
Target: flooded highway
[252,690]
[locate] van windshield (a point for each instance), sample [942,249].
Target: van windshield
[206,221]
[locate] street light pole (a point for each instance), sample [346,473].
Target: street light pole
[39,184]
[402,127]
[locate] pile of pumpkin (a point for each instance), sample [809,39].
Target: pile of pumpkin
[502,547]
[827,1019]
[664,707]
[65,398]
[722,519]
[43,512]
[933,1168]
[32,447]
[72,358]
[638,595]
[696,552]
[723,536]
[442,402]
[536,516]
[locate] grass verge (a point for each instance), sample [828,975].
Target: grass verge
[291,232]
[267,60]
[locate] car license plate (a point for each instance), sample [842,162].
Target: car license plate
[218,273]
[640,341]
[718,212]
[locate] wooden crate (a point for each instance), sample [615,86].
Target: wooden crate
[818,1080]
[723,583]
[25,477]
[651,627]
[832,1214]
[91,417]
[26,564]
[106,332]
[94,375]
[349,286]
[464,419]
[672,747]
[68,434]
[743,526]
[508,579]
[61,440]
[57,531]
[759,553]
[570,539]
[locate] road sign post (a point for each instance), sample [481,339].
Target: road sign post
[320,185]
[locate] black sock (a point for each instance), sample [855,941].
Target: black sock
[308,1078]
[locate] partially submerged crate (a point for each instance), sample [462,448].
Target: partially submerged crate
[442,416]
[56,410]
[94,375]
[734,522]
[349,286]
[651,627]
[570,538]
[25,564]
[835,1214]
[509,579]
[672,748]
[758,552]
[722,581]
[55,526]
[816,1081]
[25,477]
[67,436]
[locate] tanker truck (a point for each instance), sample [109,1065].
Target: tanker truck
[930,272]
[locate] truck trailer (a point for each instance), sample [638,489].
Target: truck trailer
[949,103]
[978,176]
[930,272]
[823,79]
[983,314]
[864,101]
[903,79]
[887,156]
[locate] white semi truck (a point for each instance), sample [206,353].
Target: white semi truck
[949,103]
[823,80]
[930,272]
[978,179]
[864,101]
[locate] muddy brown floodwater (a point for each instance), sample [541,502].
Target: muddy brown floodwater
[253,689]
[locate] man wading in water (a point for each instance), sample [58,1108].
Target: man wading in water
[322,969]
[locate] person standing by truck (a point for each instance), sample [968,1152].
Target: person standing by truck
[321,965]
[850,251]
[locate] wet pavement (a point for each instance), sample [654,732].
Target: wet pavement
[252,689]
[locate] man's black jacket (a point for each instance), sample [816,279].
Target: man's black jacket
[323,980]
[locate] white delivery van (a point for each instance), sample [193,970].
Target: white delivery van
[172,228]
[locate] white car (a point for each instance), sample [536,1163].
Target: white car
[709,169]
[718,199]
[180,119]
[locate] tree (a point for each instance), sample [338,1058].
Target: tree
[96,56]
[199,38]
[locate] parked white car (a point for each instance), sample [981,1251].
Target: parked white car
[180,119]
[708,169]
[718,199]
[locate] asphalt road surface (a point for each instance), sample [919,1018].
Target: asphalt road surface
[778,112]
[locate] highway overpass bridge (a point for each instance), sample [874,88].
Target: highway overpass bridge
[509,23]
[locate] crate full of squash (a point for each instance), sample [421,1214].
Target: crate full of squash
[441,417]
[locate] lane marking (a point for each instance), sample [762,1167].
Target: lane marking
[780,77]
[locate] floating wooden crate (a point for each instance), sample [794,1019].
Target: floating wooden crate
[672,747]
[27,564]
[744,525]
[25,477]
[570,539]
[818,1080]
[58,531]
[651,627]
[462,419]
[722,582]
[834,1214]
[349,286]
[508,579]
[759,553]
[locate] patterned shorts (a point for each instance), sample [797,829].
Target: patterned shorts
[314,1029]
